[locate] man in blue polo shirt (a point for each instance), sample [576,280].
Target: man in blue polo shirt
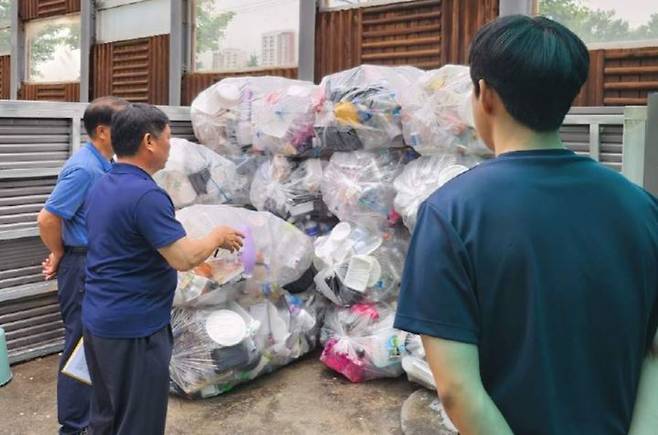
[63,231]
[533,277]
[135,247]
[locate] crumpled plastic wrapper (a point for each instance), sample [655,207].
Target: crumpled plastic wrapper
[362,107]
[291,190]
[222,115]
[360,342]
[196,175]
[357,264]
[283,119]
[421,178]
[219,347]
[358,186]
[437,115]
[282,254]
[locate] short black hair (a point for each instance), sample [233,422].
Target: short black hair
[100,112]
[131,124]
[536,65]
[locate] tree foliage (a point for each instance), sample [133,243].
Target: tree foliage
[209,25]
[596,25]
[44,44]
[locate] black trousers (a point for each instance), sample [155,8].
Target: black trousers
[130,380]
[73,397]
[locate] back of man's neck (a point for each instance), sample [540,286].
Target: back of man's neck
[136,162]
[523,139]
[106,152]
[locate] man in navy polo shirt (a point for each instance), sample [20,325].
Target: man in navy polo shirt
[135,247]
[63,231]
[533,277]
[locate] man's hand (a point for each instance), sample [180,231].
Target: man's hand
[228,238]
[186,253]
[50,265]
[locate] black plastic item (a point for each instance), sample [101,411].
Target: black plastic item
[199,181]
[303,283]
[241,356]
[339,138]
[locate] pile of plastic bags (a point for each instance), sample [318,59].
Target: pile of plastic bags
[336,172]
[218,347]
[291,190]
[437,117]
[361,344]
[361,109]
[196,175]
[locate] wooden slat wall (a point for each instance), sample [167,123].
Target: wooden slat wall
[66,92]
[426,34]
[337,41]
[137,69]
[5,71]
[32,9]
[460,20]
[620,77]
[194,83]
[402,34]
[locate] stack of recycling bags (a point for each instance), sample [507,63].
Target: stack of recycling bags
[338,170]
[233,319]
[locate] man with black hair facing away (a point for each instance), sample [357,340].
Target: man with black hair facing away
[135,247]
[63,231]
[533,277]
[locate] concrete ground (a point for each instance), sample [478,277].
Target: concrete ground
[303,398]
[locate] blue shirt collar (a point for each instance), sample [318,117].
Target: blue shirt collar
[105,164]
[127,168]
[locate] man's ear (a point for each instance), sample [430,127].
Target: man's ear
[147,140]
[487,97]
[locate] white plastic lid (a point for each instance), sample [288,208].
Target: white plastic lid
[226,327]
[227,95]
[340,232]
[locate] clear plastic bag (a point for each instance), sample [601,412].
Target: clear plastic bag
[283,119]
[358,186]
[360,342]
[357,264]
[222,114]
[437,116]
[282,252]
[291,190]
[414,363]
[421,178]
[362,108]
[196,175]
[219,347]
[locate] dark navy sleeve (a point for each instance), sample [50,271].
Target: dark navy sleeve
[437,297]
[156,219]
[69,193]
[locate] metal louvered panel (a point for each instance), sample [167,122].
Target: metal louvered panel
[33,326]
[34,143]
[183,130]
[21,200]
[20,261]
[596,132]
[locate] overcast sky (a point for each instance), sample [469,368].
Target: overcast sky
[255,17]
[636,12]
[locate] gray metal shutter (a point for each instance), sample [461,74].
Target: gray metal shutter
[34,143]
[596,132]
[33,326]
[183,130]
